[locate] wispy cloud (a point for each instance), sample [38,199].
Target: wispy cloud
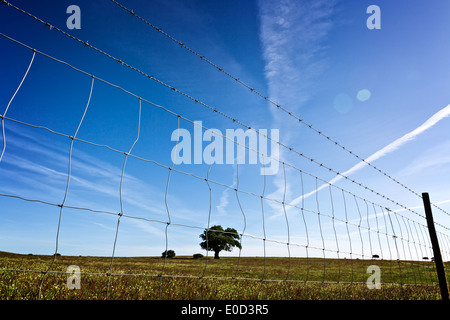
[292,34]
[37,167]
[221,207]
[103,226]
[433,120]
[393,146]
[224,198]
[436,157]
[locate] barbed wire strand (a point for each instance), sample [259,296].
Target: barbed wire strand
[283,202]
[215,182]
[226,137]
[277,105]
[192,175]
[166,110]
[197,101]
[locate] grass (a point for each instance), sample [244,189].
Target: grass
[226,278]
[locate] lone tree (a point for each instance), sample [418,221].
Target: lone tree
[216,239]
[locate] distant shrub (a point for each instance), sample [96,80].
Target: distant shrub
[168,254]
[198,256]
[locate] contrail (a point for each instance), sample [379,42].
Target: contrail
[434,119]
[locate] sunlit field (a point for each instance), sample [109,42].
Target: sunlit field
[230,278]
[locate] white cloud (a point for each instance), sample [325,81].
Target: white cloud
[292,36]
[224,198]
[221,207]
[438,116]
[436,157]
[433,120]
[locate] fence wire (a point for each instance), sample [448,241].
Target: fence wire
[374,233]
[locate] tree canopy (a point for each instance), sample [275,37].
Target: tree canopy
[217,239]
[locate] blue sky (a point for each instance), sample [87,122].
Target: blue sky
[313,58]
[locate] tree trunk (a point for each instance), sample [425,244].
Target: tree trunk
[216,254]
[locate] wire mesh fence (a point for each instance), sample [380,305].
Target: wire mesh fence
[309,238]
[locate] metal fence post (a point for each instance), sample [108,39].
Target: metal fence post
[436,249]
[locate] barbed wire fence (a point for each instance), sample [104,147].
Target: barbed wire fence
[369,230]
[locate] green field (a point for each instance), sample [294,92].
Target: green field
[226,278]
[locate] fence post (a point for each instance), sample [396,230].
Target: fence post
[436,249]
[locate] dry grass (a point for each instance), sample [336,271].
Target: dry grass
[227,278]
